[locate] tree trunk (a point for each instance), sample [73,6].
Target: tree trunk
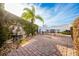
[32,22]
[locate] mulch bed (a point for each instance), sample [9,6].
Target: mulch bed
[7,48]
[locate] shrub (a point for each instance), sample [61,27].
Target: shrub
[3,35]
[67,32]
[30,28]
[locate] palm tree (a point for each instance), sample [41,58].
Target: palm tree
[29,14]
[75,35]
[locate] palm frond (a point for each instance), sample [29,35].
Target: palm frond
[40,18]
[33,9]
[28,10]
[26,15]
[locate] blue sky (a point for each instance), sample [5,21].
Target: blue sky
[52,13]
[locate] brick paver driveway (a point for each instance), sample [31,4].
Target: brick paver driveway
[40,45]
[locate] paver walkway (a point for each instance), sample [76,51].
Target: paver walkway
[64,44]
[40,45]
